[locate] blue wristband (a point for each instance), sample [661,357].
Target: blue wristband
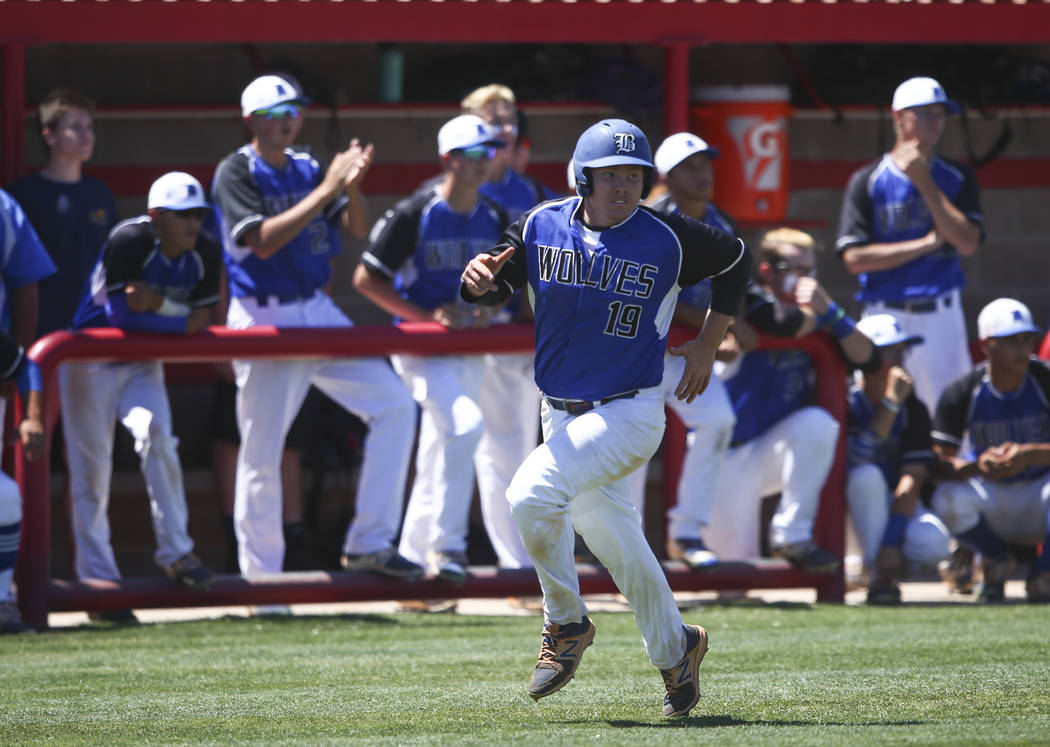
[29,378]
[843,327]
[894,534]
[833,313]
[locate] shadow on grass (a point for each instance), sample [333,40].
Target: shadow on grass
[708,722]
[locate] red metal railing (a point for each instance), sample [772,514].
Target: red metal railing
[38,592]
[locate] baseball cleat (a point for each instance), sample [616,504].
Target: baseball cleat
[884,594]
[386,562]
[448,566]
[957,571]
[190,572]
[11,622]
[682,681]
[993,584]
[561,649]
[1037,586]
[692,551]
[114,617]
[808,557]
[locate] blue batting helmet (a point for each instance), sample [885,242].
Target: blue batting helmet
[611,142]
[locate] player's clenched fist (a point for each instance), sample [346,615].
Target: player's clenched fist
[479,276]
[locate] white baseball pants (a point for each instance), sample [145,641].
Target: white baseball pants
[450,427]
[793,457]
[1015,511]
[269,394]
[710,420]
[10,526]
[510,406]
[93,395]
[577,477]
[926,539]
[944,355]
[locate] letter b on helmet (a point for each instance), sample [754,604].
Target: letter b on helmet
[611,142]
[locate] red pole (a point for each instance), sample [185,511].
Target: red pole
[676,87]
[13,105]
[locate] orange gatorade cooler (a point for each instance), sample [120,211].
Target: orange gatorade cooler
[750,126]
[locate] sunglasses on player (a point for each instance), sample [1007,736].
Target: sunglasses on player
[281,111]
[189,214]
[477,152]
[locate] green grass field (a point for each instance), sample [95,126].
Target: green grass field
[775,674]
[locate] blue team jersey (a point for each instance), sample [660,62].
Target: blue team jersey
[604,298]
[973,415]
[515,193]
[423,245]
[133,253]
[72,221]
[699,295]
[908,441]
[23,259]
[883,206]
[246,191]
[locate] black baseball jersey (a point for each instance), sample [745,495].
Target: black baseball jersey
[973,415]
[133,253]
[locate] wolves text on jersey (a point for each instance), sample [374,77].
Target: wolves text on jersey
[1024,429]
[569,267]
[452,254]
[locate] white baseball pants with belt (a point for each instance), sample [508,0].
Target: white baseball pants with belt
[793,457]
[577,477]
[269,394]
[710,420]
[944,354]
[450,427]
[869,497]
[93,396]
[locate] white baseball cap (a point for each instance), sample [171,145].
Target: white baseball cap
[1004,317]
[922,92]
[678,147]
[466,131]
[885,331]
[176,190]
[268,91]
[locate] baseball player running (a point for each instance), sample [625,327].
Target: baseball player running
[157,273]
[683,162]
[991,433]
[280,212]
[906,219]
[603,275]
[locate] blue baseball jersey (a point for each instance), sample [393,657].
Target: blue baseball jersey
[973,415]
[698,295]
[72,221]
[882,205]
[422,245]
[515,193]
[603,298]
[133,253]
[246,191]
[908,441]
[23,259]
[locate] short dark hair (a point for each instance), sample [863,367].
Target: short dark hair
[57,104]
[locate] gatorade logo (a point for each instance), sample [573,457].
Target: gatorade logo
[760,143]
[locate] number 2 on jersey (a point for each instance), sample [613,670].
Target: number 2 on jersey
[623,319]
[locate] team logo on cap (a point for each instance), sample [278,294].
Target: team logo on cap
[1018,316]
[624,142]
[280,89]
[481,129]
[191,190]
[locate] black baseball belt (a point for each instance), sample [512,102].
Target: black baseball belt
[580,406]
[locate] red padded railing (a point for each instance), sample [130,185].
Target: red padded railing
[38,593]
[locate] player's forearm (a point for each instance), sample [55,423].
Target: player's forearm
[714,330]
[34,405]
[382,293]
[691,316]
[906,496]
[1036,454]
[276,231]
[355,215]
[876,257]
[948,220]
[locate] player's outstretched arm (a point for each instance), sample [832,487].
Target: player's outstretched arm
[699,356]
